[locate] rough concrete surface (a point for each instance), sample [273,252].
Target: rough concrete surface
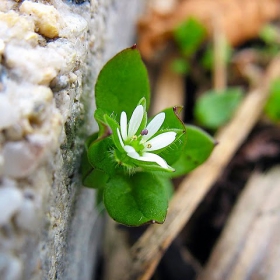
[50,55]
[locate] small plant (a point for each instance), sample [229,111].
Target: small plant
[215,108]
[269,35]
[132,159]
[272,107]
[188,36]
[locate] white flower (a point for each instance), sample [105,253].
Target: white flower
[139,146]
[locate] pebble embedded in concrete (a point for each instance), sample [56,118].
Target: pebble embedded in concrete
[21,158]
[8,113]
[29,212]
[11,267]
[10,201]
[46,18]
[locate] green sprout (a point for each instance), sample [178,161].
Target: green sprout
[132,159]
[272,107]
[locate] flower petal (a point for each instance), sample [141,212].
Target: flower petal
[160,141]
[129,149]
[131,152]
[154,126]
[120,138]
[155,158]
[123,124]
[135,120]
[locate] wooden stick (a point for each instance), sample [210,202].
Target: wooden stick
[220,63]
[247,247]
[147,252]
[169,90]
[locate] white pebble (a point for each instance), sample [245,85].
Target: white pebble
[10,201]
[8,113]
[28,215]
[21,158]
[12,269]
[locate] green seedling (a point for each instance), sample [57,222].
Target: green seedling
[214,108]
[132,158]
[272,108]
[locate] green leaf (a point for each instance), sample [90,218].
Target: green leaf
[122,82]
[172,120]
[189,35]
[90,139]
[103,128]
[95,179]
[180,66]
[138,199]
[272,108]
[114,126]
[86,170]
[269,34]
[91,177]
[214,109]
[86,167]
[100,156]
[198,148]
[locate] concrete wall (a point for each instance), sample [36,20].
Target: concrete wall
[51,53]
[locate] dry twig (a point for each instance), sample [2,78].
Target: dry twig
[169,90]
[249,245]
[220,63]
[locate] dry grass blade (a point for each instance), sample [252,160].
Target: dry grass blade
[249,245]
[147,252]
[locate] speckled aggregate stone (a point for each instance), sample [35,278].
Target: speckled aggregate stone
[50,55]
